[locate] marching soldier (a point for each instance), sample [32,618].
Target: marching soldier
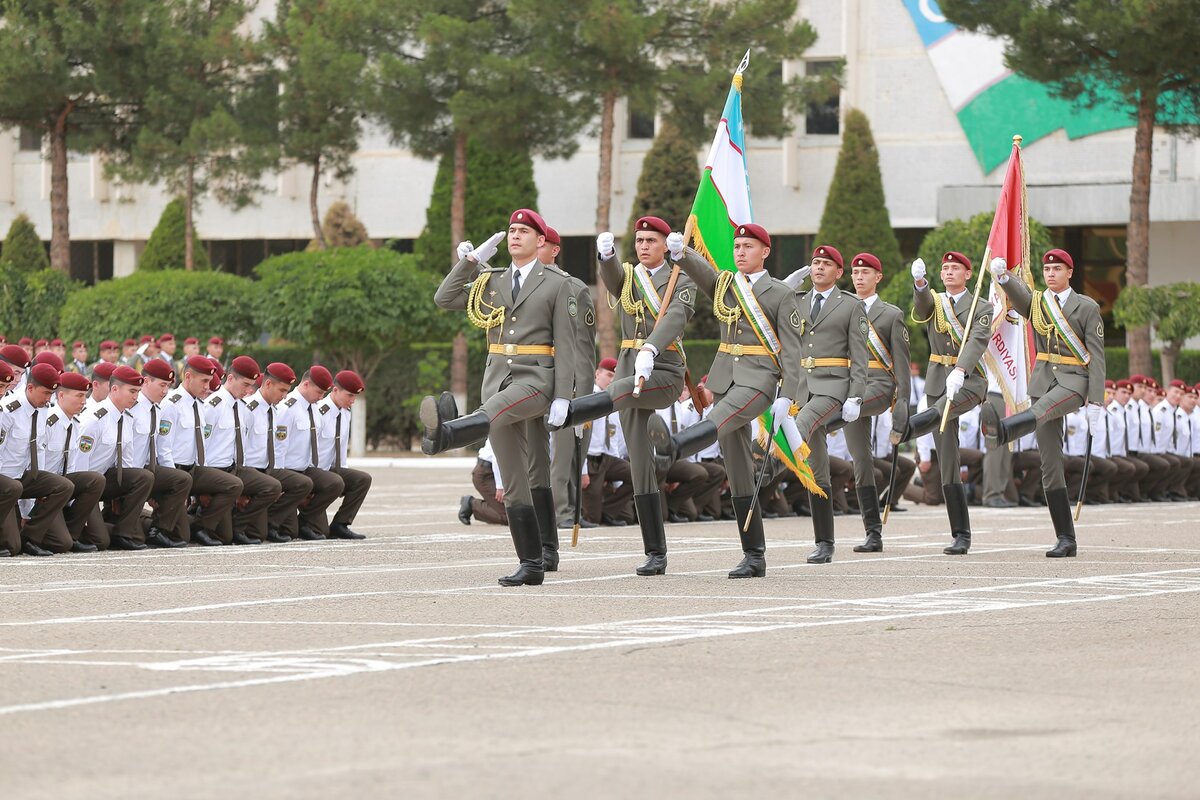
[145,448]
[333,440]
[101,445]
[185,425]
[1069,373]
[651,358]
[225,434]
[955,377]
[265,439]
[62,429]
[297,416]
[528,308]
[760,326]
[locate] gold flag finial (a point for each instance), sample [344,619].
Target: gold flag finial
[1017,140]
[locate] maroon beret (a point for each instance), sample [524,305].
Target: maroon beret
[830,252]
[47,357]
[349,380]
[1192,391]
[73,380]
[109,344]
[200,364]
[552,236]
[321,377]
[80,343]
[527,216]
[218,370]
[128,375]
[656,224]
[41,343]
[157,368]
[1124,384]
[278,371]
[216,340]
[1178,384]
[146,339]
[167,337]
[867,260]
[1151,382]
[609,364]
[214,383]
[130,343]
[1057,256]
[6,372]
[15,355]
[245,366]
[25,340]
[752,231]
[191,340]
[56,342]
[103,371]
[1110,384]
[45,376]
[957,258]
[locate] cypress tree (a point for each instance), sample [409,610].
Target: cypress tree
[23,249]
[165,248]
[667,185]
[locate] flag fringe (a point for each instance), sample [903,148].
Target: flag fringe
[796,462]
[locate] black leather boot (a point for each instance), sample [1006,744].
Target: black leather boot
[668,448]
[585,409]
[999,431]
[960,520]
[822,517]
[522,523]
[922,423]
[445,432]
[1064,525]
[543,509]
[654,535]
[868,502]
[754,541]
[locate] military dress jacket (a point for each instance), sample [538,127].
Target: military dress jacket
[888,322]
[662,336]
[838,332]
[1082,313]
[584,356]
[978,333]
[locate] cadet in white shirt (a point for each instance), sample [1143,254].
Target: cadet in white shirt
[1139,422]
[1103,471]
[687,479]
[62,431]
[101,446]
[150,449]
[333,439]
[265,438]
[184,425]
[1169,426]
[297,415]
[10,488]
[605,463]
[1130,471]
[1191,404]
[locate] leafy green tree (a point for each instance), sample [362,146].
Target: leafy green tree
[166,248]
[23,248]
[1137,53]
[1174,312]
[31,302]
[856,219]
[342,228]
[72,70]
[202,303]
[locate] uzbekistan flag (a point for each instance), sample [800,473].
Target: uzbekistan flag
[1010,353]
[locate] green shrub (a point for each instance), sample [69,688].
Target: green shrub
[165,248]
[23,248]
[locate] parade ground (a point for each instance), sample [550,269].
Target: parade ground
[398,667]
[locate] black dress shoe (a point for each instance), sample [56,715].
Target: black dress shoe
[31,549]
[897,507]
[613,522]
[526,575]
[4,553]
[244,538]
[958,547]
[872,544]
[80,547]
[1064,549]
[464,509]
[767,514]
[309,535]
[273,535]
[822,555]
[121,543]
[703,518]
[568,524]
[205,539]
[1025,502]
[1000,502]
[156,538]
[751,566]
[727,517]
[340,530]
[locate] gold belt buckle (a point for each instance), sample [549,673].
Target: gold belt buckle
[735,349]
[808,362]
[510,349]
[637,343]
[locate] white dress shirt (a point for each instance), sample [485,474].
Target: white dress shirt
[16,424]
[333,434]
[220,429]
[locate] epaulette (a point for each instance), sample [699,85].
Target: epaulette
[215,401]
[291,401]
[253,404]
[100,412]
[50,420]
[14,405]
[175,398]
[323,409]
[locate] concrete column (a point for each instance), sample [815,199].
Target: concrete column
[124,258]
[358,427]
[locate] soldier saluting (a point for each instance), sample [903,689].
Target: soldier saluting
[524,310]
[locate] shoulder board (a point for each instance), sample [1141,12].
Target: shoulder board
[50,420]
[100,412]
[323,408]
[175,398]
[215,401]
[291,401]
[14,405]
[253,404]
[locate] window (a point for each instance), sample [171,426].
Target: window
[31,140]
[641,126]
[822,118]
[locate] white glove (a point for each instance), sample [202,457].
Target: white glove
[606,245]
[780,410]
[643,365]
[558,412]
[464,250]
[999,269]
[796,278]
[487,249]
[954,382]
[1095,416]
[851,408]
[675,245]
[918,270]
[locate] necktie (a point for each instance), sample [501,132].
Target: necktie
[199,435]
[816,307]
[67,447]
[238,455]
[674,420]
[337,442]
[120,446]
[312,436]
[153,433]
[33,459]
[1057,301]
[516,283]
[270,438]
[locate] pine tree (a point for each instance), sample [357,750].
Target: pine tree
[667,185]
[855,219]
[23,249]
[165,249]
